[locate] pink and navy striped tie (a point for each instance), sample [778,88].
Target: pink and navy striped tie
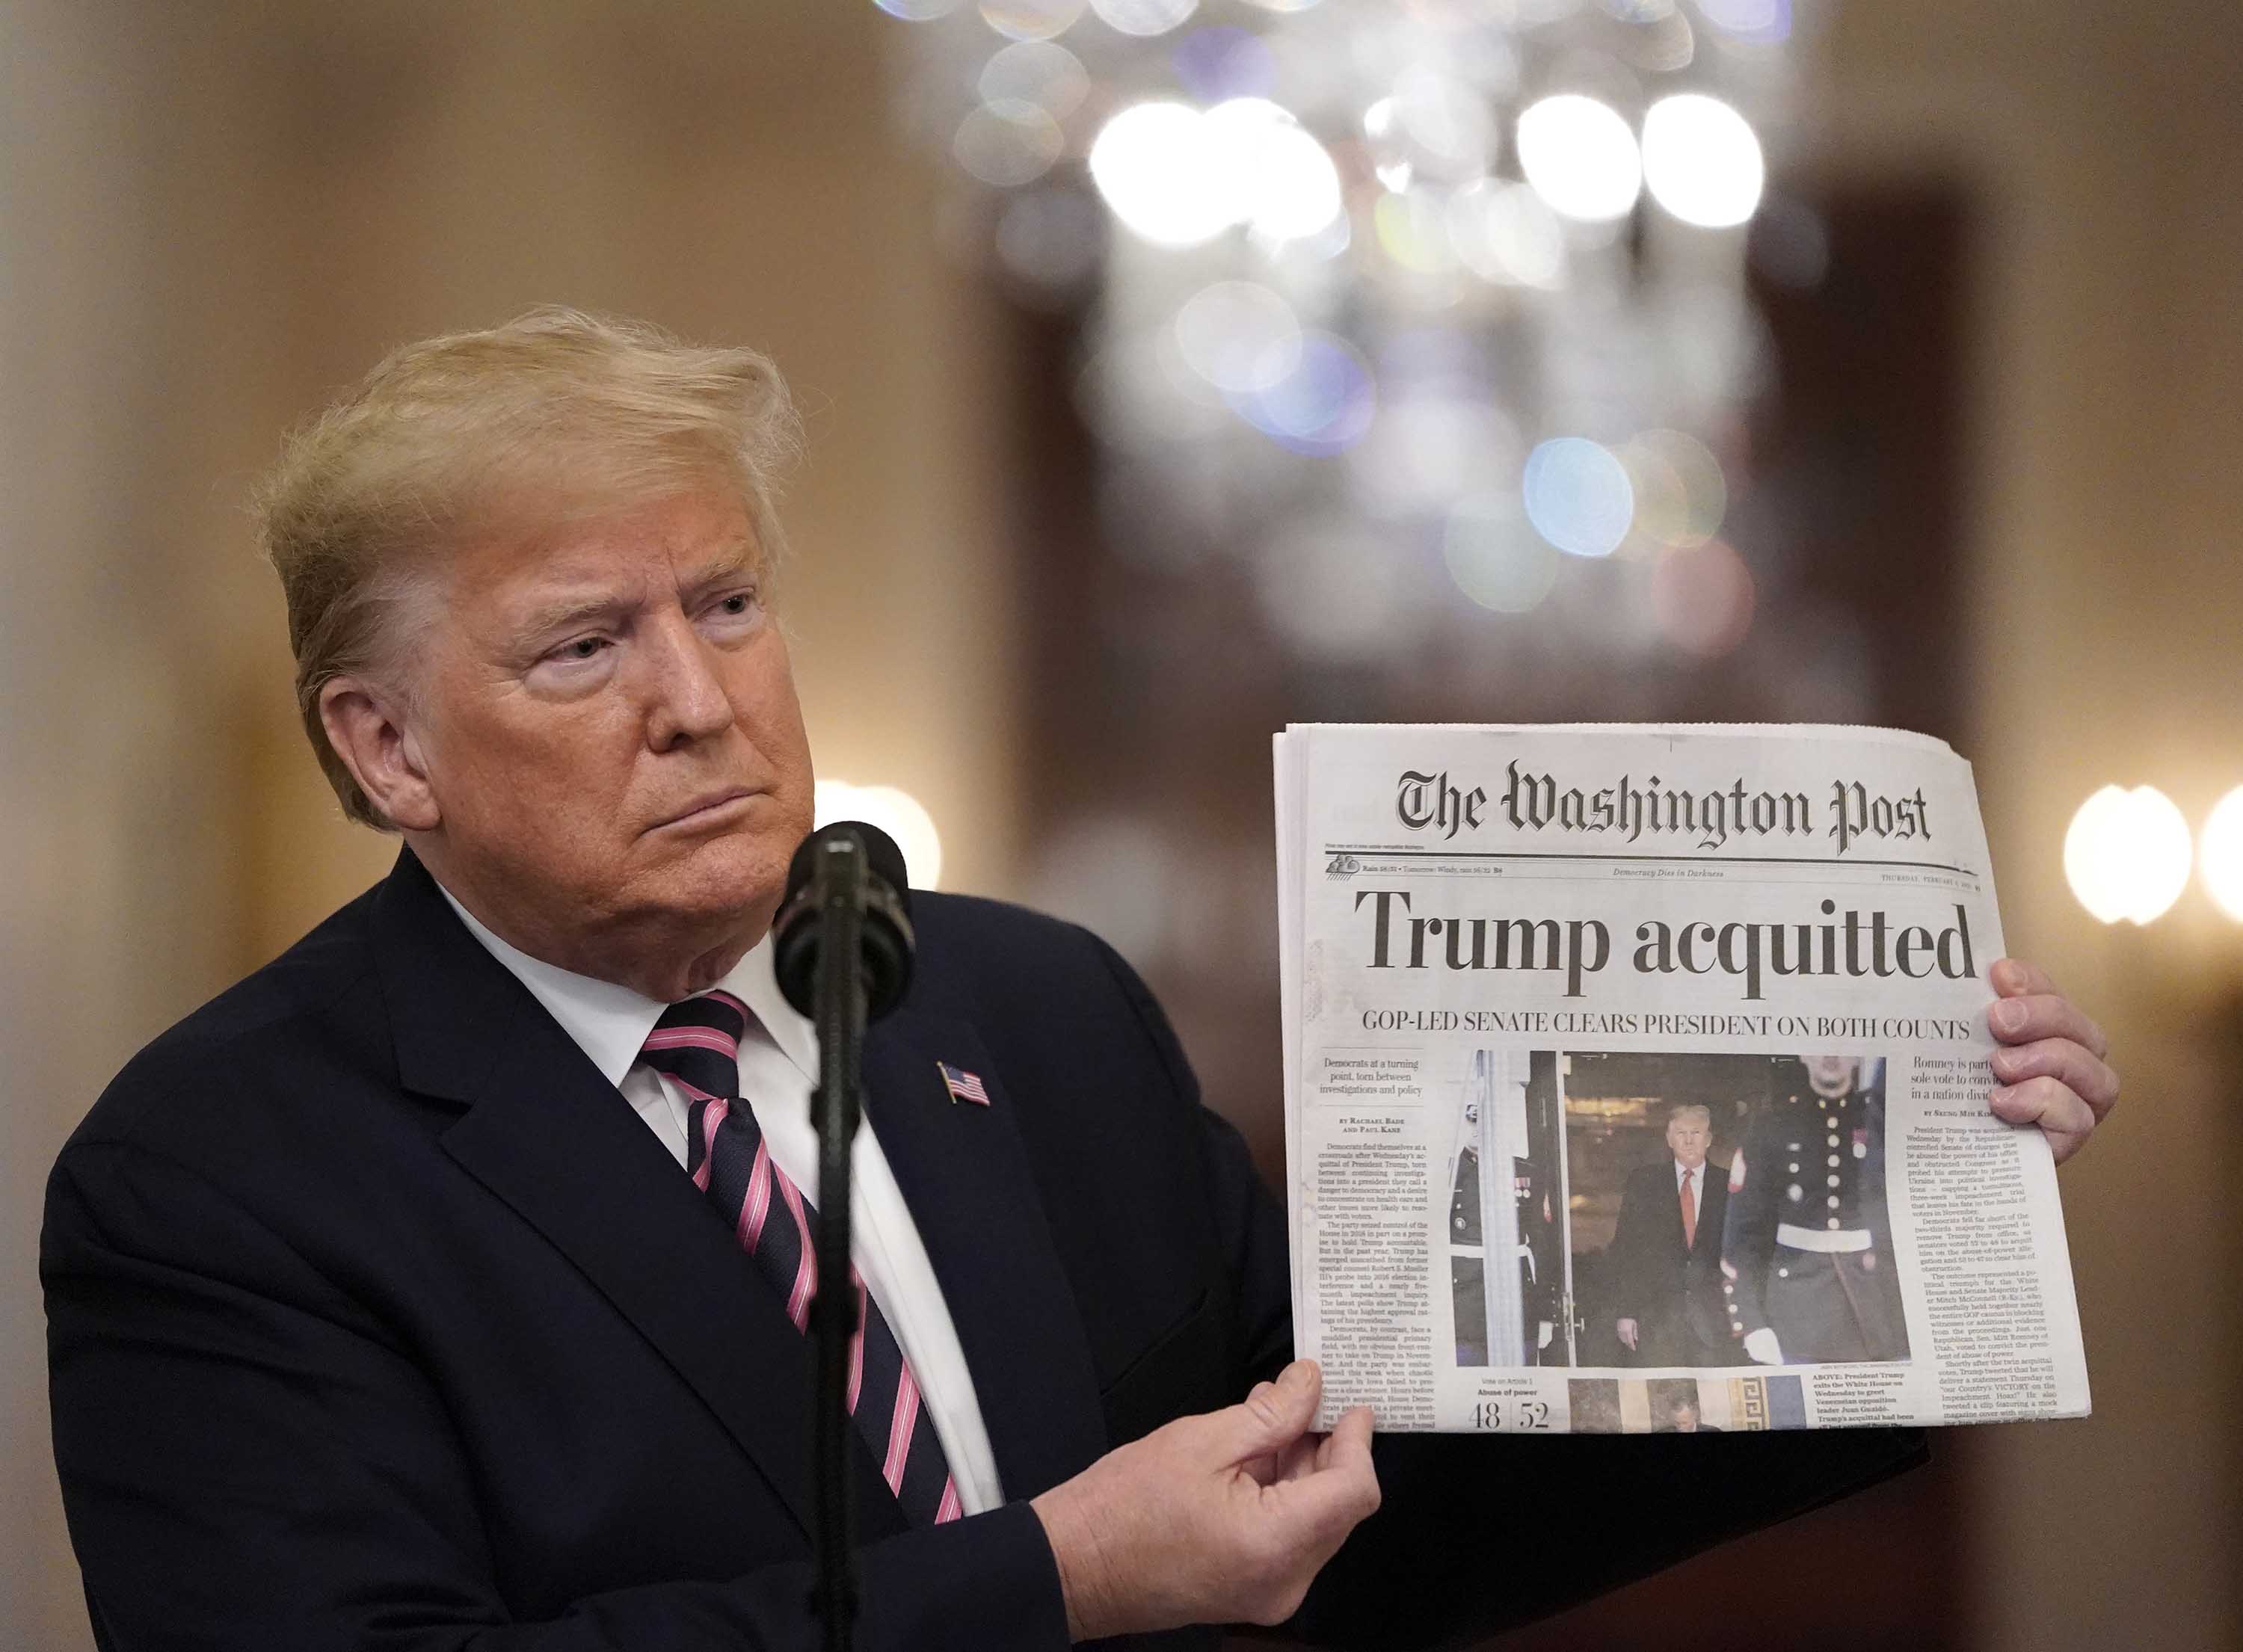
[697,1044]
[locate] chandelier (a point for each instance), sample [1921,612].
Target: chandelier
[1412,306]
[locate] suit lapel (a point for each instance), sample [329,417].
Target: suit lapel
[963,1171]
[546,1134]
[1713,1208]
[1661,1186]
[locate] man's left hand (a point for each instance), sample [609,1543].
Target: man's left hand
[2051,1062]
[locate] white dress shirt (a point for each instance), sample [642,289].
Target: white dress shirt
[779,1069]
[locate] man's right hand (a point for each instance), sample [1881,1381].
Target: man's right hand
[1222,1518]
[1762,1347]
[1629,1330]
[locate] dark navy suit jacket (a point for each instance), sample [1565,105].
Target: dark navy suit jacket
[1672,1287]
[377,1320]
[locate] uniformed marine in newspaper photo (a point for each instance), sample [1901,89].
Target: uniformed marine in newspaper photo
[1807,1257]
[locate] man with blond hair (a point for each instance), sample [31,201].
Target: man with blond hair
[440,1287]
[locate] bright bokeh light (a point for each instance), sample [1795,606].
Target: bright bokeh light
[2126,855]
[1681,495]
[1143,16]
[1297,193]
[2219,853]
[1282,183]
[1494,555]
[1323,407]
[1701,160]
[1702,599]
[1239,336]
[1580,157]
[1765,21]
[1212,63]
[1150,163]
[1007,143]
[1390,159]
[1412,230]
[1178,176]
[917,11]
[1031,19]
[1507,233]
[1039,72]
[1445,120]
[1578,496]
[898,814]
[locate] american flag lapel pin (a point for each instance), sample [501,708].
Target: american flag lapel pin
[963,1085]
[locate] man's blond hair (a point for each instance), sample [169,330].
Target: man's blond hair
[554,417]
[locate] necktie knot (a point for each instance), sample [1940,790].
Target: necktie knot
[697,1043]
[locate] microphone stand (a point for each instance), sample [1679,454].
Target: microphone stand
[839,895]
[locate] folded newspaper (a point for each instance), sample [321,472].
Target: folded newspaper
[1636,1080]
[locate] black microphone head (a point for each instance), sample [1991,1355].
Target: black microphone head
[887,940]
[882,859]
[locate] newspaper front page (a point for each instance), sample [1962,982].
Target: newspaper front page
[1636,1081]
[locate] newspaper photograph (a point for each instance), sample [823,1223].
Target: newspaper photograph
[1636,1079]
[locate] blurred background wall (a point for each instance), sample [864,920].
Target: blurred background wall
[214,216]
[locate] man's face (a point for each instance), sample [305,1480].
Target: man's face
[1689,1136]
[1832,1075]
[610,731]
[1685,1417]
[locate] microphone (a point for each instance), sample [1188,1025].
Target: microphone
[841,947]
[876,884]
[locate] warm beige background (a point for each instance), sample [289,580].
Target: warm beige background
[214,214]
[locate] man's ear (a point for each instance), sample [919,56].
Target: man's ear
[366,728]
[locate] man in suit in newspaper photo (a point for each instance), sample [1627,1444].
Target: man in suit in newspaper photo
[1669,1248]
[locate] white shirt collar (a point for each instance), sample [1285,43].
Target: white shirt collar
[610,1022]
[1683,1173]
